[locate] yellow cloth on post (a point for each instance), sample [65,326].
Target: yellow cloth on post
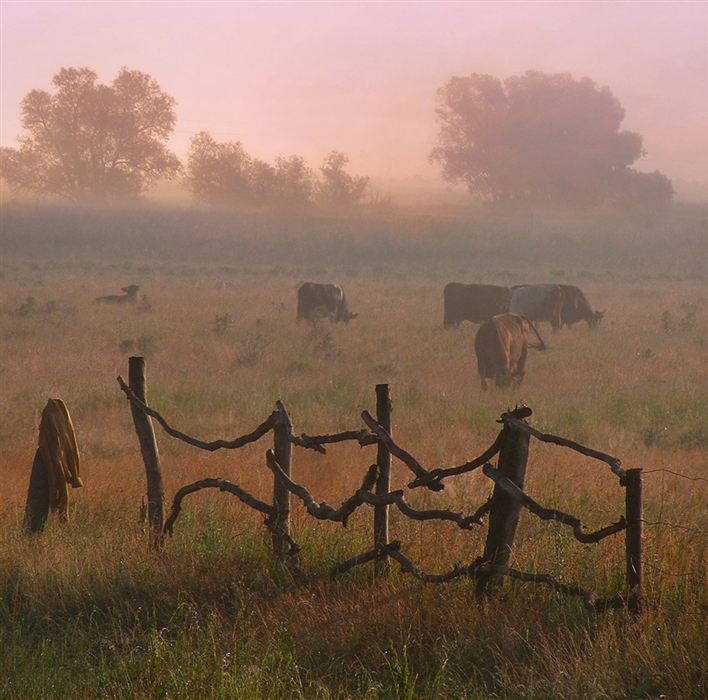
[57,443]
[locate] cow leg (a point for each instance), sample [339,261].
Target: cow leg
[519,372]
[502,380]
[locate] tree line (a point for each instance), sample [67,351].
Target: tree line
[105,143]
[533,140]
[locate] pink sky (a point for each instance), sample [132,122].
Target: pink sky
[308,77]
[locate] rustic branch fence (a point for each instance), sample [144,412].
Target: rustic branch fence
[503,507]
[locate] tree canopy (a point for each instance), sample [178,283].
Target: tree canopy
[89,141]
[224,174]
[540,139]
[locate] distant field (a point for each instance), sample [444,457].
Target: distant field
[215,319]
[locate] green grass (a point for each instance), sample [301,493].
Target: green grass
[87,611]
[213,617]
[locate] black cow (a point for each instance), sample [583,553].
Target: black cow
[473,302]
[315,301]
[576,308]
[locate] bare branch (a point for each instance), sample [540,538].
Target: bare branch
[398,452]
[409,567]
[482,510]
[563,442]
[593,604]
[293,552]
[363,558]
[323,511]
[436,475]
[315,442]
[397,498]
[550,514]
[258,433]
[222,485]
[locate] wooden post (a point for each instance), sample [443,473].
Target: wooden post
[282,447]
[383,481]
[37,505]
[504,514]
[148,450]
[633,540]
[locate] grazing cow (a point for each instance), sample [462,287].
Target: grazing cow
[130,293]
[576,308]
[538,302]
[316,301]
[501,346]
[473,302]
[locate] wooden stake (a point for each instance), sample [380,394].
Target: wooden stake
[504,514]
[148,450]
[383,481]
[633,484]
[282,449]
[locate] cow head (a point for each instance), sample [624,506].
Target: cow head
[595,318]
[348,316]
[130,290]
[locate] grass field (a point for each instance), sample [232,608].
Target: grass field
[87,611]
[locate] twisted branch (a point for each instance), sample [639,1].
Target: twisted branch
[258,433]
[315,442]
[437,475]
[363,558]
[563,442]
[222,485]
[479,569]
[323,511]
[409,567]
[397,451]
[592,604]
[293,552]
[397,498]
[551,514]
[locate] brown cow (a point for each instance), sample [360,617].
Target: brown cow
[501,346]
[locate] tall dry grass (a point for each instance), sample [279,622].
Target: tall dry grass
[87,610]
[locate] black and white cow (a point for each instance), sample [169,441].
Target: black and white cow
[315,301]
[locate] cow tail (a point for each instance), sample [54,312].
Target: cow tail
[542,346]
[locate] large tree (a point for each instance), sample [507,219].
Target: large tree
[89,141]
[337,188]
[221,173]
[537,139]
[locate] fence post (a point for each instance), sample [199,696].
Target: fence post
[633,540]
[148,450]
[504,514]
[282,448]
[383,481]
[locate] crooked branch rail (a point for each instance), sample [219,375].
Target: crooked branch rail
[503,507]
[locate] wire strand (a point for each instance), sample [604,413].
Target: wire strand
[669,471]
[677,527]
[685,574]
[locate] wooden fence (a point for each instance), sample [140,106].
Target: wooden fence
[503,508]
